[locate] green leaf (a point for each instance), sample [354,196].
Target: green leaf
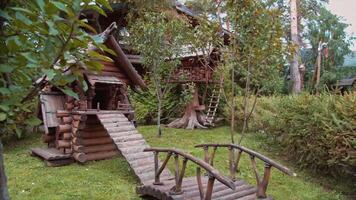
[97,55]
[29,57]
[4,108]
[13,43]
[83,24]
[6,68]
[61,6]
[22,18]
[51,28]
[33,121]
[4,15]
[49,73]
[94,65]
[106,49]
[97,9]
[70,92]
[2,116]
[23,10]
[84,85]
[5,91]
[105,3]
[41,4]
[18,132]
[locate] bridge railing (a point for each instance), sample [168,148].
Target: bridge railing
[235,152]
[179,173]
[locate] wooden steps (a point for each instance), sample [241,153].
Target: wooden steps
[131,145]
[190,190]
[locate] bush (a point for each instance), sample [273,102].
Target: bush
[318,132]
[146,105]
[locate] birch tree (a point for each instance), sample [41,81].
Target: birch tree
[294,65]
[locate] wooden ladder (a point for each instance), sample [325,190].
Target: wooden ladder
[213,104]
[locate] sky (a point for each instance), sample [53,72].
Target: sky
[347,10]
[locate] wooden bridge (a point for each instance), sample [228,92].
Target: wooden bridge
[212,185]
[158,182]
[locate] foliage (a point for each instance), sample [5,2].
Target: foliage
[256,48]
[332,77]
[318,132]
[328,28]
[159,38]
[30,179]
[146,105]
[39,41]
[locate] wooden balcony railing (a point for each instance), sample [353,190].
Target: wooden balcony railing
[235,152]
[179,173]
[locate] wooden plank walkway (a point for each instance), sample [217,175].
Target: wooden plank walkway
[131,145]
[190,190]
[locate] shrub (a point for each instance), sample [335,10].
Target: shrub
[318,132]
[146,105]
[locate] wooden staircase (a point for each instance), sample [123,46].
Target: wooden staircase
[131,145]
[213,104]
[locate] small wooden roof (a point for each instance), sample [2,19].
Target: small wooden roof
[347,81]
[93,79]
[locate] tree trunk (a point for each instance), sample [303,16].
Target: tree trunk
[193,117]
[317,67]
[159,99]
[294,67]
[4,195]
[232,123]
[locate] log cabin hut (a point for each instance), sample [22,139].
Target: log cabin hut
[77,130]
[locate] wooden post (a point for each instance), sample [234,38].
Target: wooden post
[254,167]
[157,181]
[176,190]
[262,187]
[181,175]
[209,188]
[176,165]
[200,185]
[232,163]
[206,154]
[212,156]
[160,170]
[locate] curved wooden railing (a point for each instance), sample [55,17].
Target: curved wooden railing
[235,152]
[179,174]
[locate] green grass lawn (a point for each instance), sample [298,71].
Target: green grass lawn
[29,178]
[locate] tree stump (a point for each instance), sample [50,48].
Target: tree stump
[193,116]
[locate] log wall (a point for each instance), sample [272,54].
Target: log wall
[92,142]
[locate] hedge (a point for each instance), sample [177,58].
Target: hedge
[317,132]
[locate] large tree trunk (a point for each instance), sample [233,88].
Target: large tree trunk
[294,67]
[193,116]
[4,195]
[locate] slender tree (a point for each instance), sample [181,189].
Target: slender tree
[294,66]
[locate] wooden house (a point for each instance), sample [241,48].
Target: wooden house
[77,129]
